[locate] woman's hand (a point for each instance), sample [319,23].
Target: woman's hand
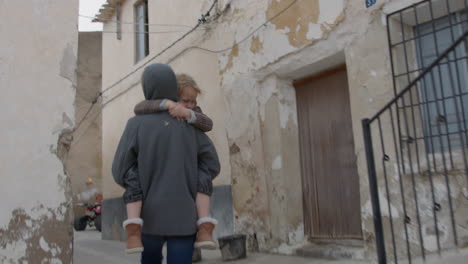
[179,112]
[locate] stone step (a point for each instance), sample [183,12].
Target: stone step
[338,242]
[334,250]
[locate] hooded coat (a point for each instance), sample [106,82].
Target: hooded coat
[167,157]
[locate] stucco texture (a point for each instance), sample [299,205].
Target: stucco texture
[38,80]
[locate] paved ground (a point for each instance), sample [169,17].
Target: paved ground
[89,248]
[451,257]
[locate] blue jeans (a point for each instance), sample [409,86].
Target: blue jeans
[179,249]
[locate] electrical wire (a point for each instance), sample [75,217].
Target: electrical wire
[149,60]
[148,32]
[263,25]
[133,23]
[143,32]
[78,138]
[159,53]
[205,49]
[86,114]
[200,21]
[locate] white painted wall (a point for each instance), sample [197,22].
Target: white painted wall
[37,79]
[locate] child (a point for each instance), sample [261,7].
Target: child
[188,110]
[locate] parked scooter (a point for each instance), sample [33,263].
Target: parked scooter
[91,218]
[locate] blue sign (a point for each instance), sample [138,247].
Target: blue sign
[370,3]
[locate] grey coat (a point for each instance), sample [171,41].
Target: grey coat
[167,157]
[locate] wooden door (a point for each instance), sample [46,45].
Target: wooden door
[329,173]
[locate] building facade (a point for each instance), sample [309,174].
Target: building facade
[38,81]
[84,158]
[287,83]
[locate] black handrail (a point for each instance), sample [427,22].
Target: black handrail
[371,161]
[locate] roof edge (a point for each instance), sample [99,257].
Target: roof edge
[106,11]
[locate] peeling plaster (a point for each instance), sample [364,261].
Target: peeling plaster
[256,46]
[315,32]
[14,251]
[288,108]
[297,18]
[291,44]
[25,238]
[367,208]
[234,53]
[297,236]
[429,235]
[36,222]
[44,244]
[267,89]
[277,35]
[55,261]
[296,240]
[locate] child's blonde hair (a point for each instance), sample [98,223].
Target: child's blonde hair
[184,81]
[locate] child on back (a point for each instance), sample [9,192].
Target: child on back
[186,109]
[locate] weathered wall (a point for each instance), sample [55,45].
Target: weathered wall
[84,157]
[38,81]
[338,32]
[257,80]
[257,103]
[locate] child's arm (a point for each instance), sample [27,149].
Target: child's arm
[194,117]
[151,106]
[202,121]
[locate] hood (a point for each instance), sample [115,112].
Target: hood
[159,82]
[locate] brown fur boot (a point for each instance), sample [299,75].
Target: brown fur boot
[205,233]
[133,229]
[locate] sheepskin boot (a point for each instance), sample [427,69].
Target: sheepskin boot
[205,240]
[133,228]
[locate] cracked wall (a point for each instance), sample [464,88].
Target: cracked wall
[261,107]
[349,34]
[38,81]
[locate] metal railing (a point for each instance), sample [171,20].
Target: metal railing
[416,150]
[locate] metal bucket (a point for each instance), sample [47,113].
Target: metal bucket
[233,247]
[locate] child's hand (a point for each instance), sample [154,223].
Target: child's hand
[179,112]
[170,104]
